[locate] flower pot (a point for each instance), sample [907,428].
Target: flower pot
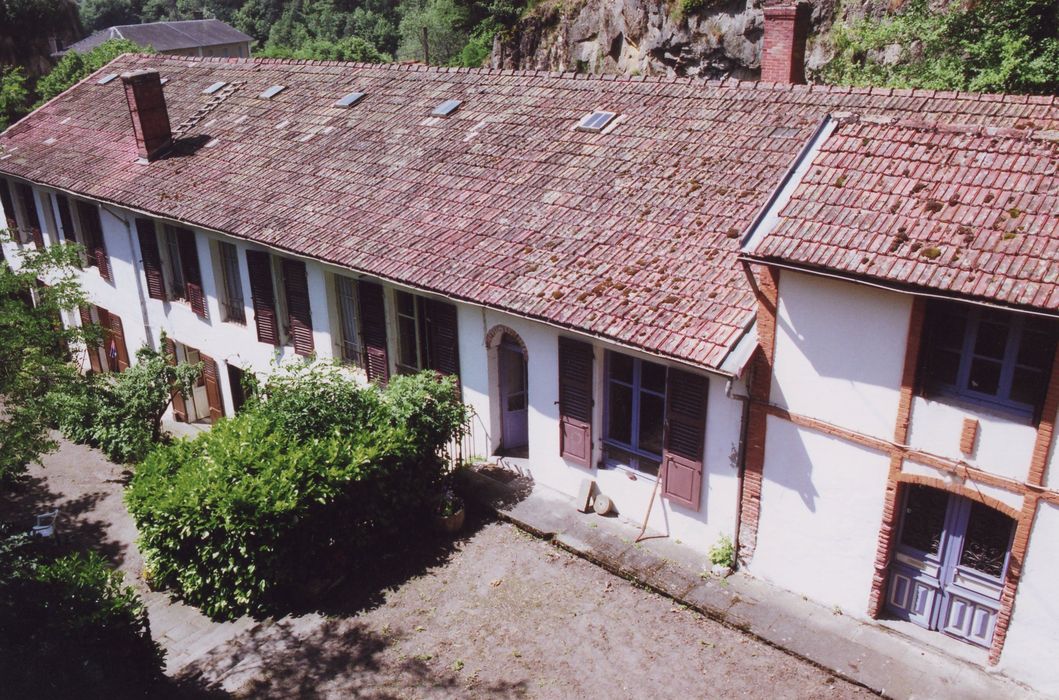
[450,523]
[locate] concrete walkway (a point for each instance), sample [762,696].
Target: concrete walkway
[871,654]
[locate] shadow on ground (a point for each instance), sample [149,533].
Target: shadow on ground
[78,531]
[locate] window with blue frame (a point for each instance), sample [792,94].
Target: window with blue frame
[634,413]
[991,357]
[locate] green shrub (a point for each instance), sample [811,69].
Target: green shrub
[317,466]
[71,628]
[723,552]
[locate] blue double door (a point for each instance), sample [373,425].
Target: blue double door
[949,563]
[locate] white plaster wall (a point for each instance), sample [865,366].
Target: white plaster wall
[840,351]
[1004,445]
[1032,645]
[821,507]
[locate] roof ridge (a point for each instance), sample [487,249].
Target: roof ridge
[689,80]
[918,124]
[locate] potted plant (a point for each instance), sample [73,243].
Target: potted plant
[450,512]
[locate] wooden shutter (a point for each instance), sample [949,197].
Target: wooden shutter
[93,234]
[575,401]
[29,205]
[110,345]
[180,411]
[117,332]
[373,332]
[685,433]
[213,388]
[189,262]
[443,341]
[152,259]
[296,287]
[93,350]
[262,296]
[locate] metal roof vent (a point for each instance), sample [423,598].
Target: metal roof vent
[596,122]
[214,88]
[107,78]
[272,92]
[350,100]
[446,108]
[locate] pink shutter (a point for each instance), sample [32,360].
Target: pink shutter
[262,296]
[575,401]
[373,332]
[686,396]
[117,333]
[152,259]
[93,233]
[443,338]
[296,287]
[213,388]
[189,261]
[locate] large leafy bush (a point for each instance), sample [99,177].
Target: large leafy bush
[69,627]
[313,470]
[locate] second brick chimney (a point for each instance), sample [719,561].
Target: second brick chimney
[786,31]
[150,118]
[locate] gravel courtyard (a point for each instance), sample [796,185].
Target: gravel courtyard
[497,613]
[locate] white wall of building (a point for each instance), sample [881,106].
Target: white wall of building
[1032,645]
[840,352]
[821,507]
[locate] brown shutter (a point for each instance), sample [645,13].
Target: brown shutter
[189,261]
[213,388]
[686,396]
[93,233]
[93,350]
[262,296]
[32,220]
[118,335]
[373,332]
[296,287]
[152,259]
[575,401]
[443,341]
[180,411]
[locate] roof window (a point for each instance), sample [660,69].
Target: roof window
[214,88]
[272,92]
[107,78]
[350,99]
[596,122]
[445,108]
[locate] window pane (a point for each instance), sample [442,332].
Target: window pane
[648,466]
[406,304]
[619,411]
[948,330]
[985,376]
[943,366]
[653,377]
[652,411]
[1026,386]
[924,518]
[1035,349]
[621,367]
[992,339]
[616,454]
[406,329]
[985,544]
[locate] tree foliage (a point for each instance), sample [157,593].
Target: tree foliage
[348,49]
[313,470]
[14,95]
[995,46]
[100,14]
[74,66]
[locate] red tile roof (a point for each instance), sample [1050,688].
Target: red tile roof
[965,210]
[629,235]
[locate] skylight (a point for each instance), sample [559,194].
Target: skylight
[596,122]
[272,92]
[107,78]
[445,108]
[214,88]
[350,99]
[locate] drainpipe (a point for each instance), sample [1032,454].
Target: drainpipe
[745,400]
[136,274]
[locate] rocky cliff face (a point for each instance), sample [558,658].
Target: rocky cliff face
[719,38]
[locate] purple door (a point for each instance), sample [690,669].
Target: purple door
[949,563]
[511,364]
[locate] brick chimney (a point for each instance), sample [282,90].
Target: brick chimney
[786,31]
[150,118]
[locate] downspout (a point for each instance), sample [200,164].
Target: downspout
[741,462]
[136,274]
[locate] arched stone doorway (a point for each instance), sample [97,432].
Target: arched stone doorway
[510,391]
[949,564]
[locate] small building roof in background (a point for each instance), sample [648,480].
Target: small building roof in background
[965,210]
[166,36]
